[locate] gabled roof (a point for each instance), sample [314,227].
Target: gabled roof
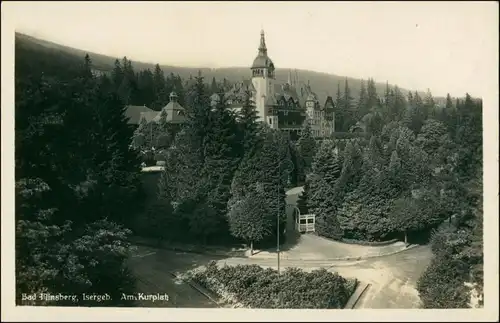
[175,113]
[237,94]
[149,115]
[329,105]
[133,113]
[286,91]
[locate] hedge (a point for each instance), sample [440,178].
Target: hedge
[369,243]
[362,242]
[252,286]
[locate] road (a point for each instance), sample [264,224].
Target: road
[154,273]
[392,278]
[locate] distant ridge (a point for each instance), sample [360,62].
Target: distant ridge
[323,84]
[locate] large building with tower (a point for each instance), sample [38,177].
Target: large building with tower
[287,106]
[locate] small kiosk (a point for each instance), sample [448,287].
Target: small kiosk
[304,222]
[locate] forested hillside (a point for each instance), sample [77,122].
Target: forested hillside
[416,176]
[322,83]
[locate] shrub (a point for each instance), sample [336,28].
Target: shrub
[255,287]
[369,243]
[160,156]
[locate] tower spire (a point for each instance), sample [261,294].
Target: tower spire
[290,77]
[262,47]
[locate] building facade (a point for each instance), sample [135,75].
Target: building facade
[287,106]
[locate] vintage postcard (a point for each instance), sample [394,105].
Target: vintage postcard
[249,161]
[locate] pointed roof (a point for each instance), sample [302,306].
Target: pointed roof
[175,113]
[262,47]
[262,60]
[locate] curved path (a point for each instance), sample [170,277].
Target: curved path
[392,278]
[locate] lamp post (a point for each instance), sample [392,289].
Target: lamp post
[287,172]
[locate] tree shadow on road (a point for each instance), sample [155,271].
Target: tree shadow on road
[288,241]
[160,271]
[292,239]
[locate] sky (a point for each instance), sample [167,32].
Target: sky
[447,47]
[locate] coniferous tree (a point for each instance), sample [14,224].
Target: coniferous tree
[449,102]
[340,113]
[348,114]
[347,97]
[126,87]
[306,147]
[145,88]
[214,88]
[372,97]
[298,175]
[105,83]
[326,162]
[178,88]
[117,75]
[417,113]
[248,124]
[351,164]
[429,106]
[58,120]
[338,100]
[388,104]
[87,67]
[159,89]
[324,196]
[302,202]
[222,155]
[118,165]
[198,116]
[410,99]
[251,140]
[362,100]
[268,171]
[469,136]
[399,105]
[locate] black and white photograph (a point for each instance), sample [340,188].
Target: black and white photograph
[236,156]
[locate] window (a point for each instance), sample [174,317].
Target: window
[270,120]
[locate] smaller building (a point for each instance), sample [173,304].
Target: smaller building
[173,112]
